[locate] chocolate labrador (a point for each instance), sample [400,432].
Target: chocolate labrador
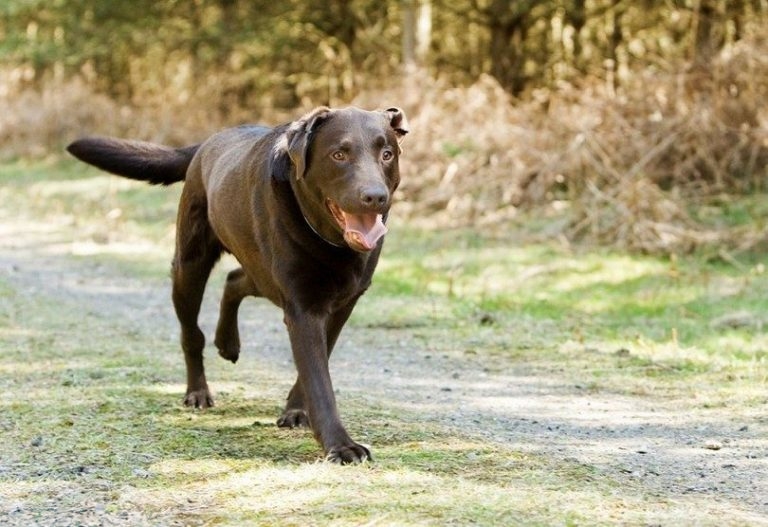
[303,208]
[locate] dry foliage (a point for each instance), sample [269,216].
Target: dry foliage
[623,166]
[626,167]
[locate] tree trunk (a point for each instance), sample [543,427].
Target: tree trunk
[735,11]
[616,38]
[709,34]
[417,32]
[505,57]
[409,34]
[423,31]
[506,50]
[577,18]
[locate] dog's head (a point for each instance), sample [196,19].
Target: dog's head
[346,168]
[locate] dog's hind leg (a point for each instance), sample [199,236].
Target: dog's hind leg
[197,250]
[237,287]
[295,413]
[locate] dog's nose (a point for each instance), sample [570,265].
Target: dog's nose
[374,197]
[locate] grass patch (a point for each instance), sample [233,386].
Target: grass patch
[666,319]
[73,416]
[91,412]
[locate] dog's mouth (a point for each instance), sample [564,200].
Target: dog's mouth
[361,231]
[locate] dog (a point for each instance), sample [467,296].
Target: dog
[303,208]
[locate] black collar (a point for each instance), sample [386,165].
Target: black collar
[329,242]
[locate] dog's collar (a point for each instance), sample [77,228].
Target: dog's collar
[296,193]
[312,228]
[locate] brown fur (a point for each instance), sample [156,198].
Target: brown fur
[265,196]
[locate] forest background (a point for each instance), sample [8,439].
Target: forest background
[640,125]
[568,323]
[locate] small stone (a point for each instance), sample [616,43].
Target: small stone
[713,445]
[486,319]
[735,320]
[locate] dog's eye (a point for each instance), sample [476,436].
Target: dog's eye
[338,155]
[387,155]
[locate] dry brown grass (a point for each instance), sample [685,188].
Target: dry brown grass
[627,167]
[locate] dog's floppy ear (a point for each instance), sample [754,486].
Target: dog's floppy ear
[299,135]
[398,122]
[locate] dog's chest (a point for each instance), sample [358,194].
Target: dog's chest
[330,287]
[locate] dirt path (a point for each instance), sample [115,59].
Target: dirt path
[674,451]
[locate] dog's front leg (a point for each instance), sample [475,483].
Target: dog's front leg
[308,337]
[295,413]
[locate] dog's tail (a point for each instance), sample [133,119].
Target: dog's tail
[156,164]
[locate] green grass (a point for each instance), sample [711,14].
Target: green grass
[664,312]
[97,409]
[83,413]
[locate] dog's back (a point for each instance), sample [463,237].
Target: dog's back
[232,150]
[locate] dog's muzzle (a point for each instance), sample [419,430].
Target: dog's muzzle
[361,231]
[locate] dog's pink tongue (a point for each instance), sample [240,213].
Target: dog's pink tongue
[362,231]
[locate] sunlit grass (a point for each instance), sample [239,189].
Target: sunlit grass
[93,402]
[91,209]
[556,281]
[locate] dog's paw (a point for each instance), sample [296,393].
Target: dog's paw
[293,418]
[229,347]
[231,353]
[199,399]
[349,454]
